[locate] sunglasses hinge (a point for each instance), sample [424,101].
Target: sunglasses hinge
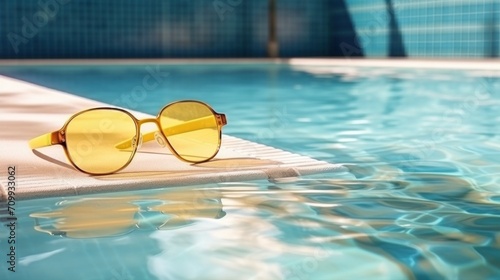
[221,119]
[57,137]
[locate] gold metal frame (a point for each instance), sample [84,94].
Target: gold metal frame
[58,137]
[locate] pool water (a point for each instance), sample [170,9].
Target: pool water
[420,197]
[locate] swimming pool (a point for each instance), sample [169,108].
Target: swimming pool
[421,198]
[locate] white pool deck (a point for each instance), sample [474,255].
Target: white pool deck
[28,110]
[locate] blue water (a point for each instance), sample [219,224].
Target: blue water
[420,197]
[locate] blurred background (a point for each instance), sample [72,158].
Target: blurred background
[248,28]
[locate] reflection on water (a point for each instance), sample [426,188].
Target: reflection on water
[416,225]
[112,216]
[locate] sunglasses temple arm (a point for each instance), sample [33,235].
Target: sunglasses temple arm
[44,140]
[178,129]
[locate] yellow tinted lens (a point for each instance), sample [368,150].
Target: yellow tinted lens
[92,138]
[191,129]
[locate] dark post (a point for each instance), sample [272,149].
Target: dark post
[272,44]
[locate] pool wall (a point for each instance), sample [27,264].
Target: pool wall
[239,28]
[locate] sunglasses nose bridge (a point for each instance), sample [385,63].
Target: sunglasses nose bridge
[150,120]
[153,135]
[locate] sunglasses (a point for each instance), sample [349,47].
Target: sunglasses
[104,140]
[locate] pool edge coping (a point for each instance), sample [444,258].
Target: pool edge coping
[427,63]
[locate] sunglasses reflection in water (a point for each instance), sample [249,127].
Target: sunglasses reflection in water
[113,216]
